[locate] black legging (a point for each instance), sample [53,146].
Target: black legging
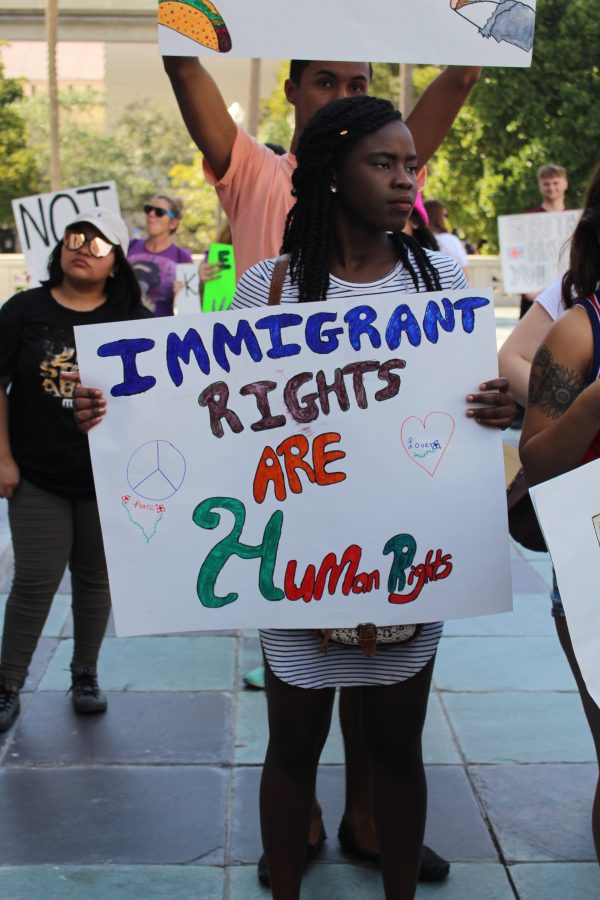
[392,718]
[49,532]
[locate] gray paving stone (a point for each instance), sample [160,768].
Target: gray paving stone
[67,631]
[60,613]
[502,664]
[196,663]
[539,813]
[450,800]
[321,882]
[525,580]
[138,728]
[530,617]
[250,656]
[111,883]
[352,882]
[39,662]
[439,747]
[557,881]
[86,816]
[252,734]
[521,727]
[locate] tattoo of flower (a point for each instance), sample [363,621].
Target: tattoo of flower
[552,387]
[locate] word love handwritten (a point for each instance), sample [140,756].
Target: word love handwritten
[426,440]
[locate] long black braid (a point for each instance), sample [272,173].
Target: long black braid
[331,132]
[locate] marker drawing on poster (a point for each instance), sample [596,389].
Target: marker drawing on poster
[458,32]
[41,220]
[534,249]
[305,468]
[568,509]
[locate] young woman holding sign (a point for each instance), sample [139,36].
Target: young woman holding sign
[355,186]
[562,422]
[45,468]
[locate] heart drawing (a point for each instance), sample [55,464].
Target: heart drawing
[426,440]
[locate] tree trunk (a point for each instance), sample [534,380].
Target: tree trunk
[51,41]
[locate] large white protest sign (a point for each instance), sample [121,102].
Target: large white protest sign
[568,509]
[534,249]
[312,467]
[459,32]
[41,220]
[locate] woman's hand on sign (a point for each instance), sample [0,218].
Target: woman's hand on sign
[9,477]
[89,404]
[498,406]
[209,271]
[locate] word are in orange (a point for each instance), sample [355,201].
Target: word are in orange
[289,458]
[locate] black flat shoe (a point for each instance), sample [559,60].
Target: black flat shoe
[349,845]
[312,851]
[432,867]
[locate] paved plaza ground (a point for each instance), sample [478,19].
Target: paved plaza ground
[158,799]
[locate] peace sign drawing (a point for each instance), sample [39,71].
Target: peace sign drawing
[156,470]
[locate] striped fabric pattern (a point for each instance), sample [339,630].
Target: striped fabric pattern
[295,656]
[253,286]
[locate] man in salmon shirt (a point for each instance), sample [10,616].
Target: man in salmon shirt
[254,187]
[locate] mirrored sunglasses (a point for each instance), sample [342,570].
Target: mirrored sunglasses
[99,248]
[159,211]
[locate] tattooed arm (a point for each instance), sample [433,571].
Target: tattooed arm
[563,415]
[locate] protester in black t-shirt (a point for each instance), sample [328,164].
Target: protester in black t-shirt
[45,468]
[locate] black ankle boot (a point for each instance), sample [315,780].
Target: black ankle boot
[10,705]
[86,695]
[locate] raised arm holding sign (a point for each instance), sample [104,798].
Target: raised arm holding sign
[252,182]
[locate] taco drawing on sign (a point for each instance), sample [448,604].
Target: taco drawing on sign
[503,20]
[198,20]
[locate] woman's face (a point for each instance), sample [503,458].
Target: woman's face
[377,181]
[157,225]
[80,266]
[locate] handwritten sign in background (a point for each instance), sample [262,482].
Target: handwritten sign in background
[421,31]
[41,220]
[410,465]
[534,249]
[187,299]
[567,508]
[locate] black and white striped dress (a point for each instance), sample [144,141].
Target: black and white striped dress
[295,655]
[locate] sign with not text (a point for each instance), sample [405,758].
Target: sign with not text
[452,32]
[568,510]
[187,299]
[301,467]
[41,220]
[534,249]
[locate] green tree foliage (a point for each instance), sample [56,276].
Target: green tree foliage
[197,230]
[18,171]
[518,119]
[139,154]
[276,124]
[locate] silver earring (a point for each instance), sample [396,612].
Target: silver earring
[333,189]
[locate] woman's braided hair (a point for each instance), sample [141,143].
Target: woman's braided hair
[331,132]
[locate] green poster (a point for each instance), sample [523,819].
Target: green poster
[218,293]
